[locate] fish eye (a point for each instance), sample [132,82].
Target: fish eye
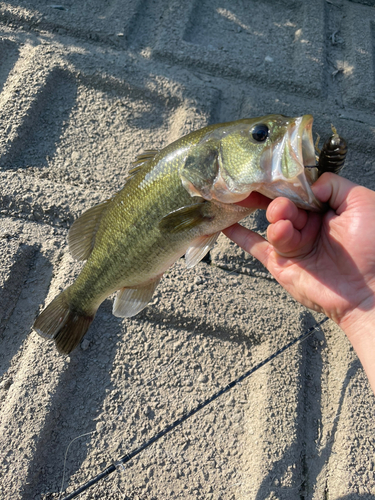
[260,132]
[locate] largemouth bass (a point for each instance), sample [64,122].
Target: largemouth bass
[175,202]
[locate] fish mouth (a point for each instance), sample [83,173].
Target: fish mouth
[301,139]
[290,166]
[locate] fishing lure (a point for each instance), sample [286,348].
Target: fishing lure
[333,154]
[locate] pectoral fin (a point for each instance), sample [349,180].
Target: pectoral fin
[199,248]
[184,218]
[130,301]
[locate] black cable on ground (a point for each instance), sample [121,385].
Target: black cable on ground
[126,458]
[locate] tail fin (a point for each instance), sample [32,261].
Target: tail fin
[63,324]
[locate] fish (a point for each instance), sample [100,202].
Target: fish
[175,202]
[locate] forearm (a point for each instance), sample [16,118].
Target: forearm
[359,327]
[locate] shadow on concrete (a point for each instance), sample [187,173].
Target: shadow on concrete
[155,107]
[15,307]
[41,130]
[313,460]
[9,54]
[356,496]
[78,399]
[200,325]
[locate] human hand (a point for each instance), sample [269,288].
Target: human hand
[325,261]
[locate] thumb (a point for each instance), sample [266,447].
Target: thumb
[333,189]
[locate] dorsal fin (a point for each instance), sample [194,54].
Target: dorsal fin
[133,171]
[147,155]
[81,236]
[140,160]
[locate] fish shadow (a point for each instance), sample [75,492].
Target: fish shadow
[192,324]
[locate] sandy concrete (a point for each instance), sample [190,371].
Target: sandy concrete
[84,87]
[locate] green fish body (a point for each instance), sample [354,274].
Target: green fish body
[175,202]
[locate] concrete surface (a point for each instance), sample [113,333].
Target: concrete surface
[85,86]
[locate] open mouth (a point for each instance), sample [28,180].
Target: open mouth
[301,141]
[302,145]
[305,147]
[293,166]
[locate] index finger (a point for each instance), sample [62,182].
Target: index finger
[255,200]
[253,243]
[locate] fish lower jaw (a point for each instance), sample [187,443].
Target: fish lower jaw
[300,193]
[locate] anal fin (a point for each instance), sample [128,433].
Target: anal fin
[130,301]
[199,248]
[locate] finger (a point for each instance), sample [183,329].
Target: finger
[289,241]
[251,242]
[284,237]
[333,189]
[255,200]
[284,209]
